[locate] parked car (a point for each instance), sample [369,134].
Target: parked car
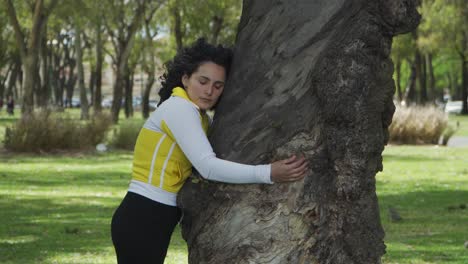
[106,103]
[75,102]
[453,107]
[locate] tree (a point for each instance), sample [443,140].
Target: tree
[401,52]
[126,18]
[216,20]
[314,78]
[29,50]
[447,20]
[79,62]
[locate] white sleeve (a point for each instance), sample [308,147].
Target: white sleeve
[183,120]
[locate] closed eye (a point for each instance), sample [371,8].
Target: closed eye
[203,80]
[219,85]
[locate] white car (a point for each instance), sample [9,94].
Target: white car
[453,107]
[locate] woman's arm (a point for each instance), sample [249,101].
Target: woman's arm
[183,120]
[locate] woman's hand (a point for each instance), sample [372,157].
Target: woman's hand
[288,170]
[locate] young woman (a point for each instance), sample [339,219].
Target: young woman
[173,140]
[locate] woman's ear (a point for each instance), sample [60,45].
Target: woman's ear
[185,79]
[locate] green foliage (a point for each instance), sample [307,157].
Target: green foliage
[418,125]
[403,47]
[441,34]
[197,18]
[126,134]
[44,131]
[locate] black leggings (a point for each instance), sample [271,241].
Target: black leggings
[142,228]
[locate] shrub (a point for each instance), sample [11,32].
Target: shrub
[46,131]
[418,125]
[126,134]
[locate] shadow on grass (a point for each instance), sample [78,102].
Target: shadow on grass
[433,228]
[70,158]
[413,158]
[105,178]
[34,230]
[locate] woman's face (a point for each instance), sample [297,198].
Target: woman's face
[205,85]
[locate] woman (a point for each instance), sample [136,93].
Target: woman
[170,142]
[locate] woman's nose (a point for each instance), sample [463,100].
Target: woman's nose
[209,90]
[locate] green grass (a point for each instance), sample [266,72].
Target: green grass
[57,208]
[462,120]
[423,184]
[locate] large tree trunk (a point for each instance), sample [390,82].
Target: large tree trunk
[312,78]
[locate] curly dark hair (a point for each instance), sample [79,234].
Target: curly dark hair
[187,61]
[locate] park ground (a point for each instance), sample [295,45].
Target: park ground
[56,208]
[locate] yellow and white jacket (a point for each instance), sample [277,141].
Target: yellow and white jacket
[170,142]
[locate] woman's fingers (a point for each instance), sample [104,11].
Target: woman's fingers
[301,168]
[297,164]
[290,159]
[291,169]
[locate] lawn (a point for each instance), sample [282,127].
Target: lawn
[427,185]
[57,208]
[460,121]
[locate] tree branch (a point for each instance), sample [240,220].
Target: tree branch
[18,32]
[49,9]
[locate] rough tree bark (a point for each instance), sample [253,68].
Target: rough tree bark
[312,77]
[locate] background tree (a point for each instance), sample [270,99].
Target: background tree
[316,79]
[213,19]
[29,48]
[402,49]
[122,24]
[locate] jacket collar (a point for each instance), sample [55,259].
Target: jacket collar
[180,92]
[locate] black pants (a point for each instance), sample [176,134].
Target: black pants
[142,228]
